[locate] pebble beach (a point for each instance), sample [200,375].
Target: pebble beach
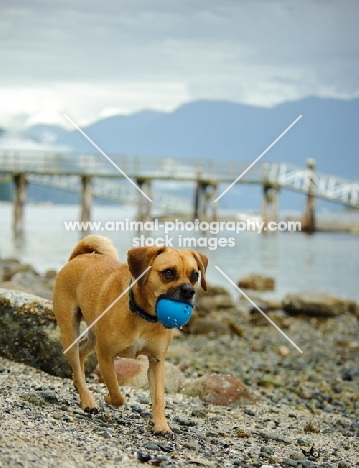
[306,411]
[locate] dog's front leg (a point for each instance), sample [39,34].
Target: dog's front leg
[156,378]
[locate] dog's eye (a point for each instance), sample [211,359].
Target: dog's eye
[194,277]
[169,273]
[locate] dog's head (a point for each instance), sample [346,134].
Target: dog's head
[174,274]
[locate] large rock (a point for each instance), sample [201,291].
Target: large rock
[257,282]
[219,389]
[317,304]
[213,303]
[265,301]
[34,282]
[215,299]
[23,277]
[212,290]
[14,286]
[259,320]
[133,372]
[29,333]
[11,266]
[205,326]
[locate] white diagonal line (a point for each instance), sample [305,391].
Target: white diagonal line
[105,311]
[259,157]
[260,310]
[107,157]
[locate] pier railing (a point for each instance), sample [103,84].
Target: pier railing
[318,184]
[38,164]
[68,163]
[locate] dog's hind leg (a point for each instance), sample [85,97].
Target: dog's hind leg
[70,327]
[87,402]
[86,346]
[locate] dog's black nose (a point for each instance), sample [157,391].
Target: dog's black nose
[187,291]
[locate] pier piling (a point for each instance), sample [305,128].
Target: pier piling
[86,199]
[205,194]
[270,199]
[308,221]
[144,205]
[20,184]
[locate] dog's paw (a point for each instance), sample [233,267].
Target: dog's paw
[89,410]
[162,430]
[120,401]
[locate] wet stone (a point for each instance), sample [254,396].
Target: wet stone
[184,421]
[347,376]
[239,462]
[176,430]
[137,409]
[243,433]
[305,463]
[166,448]
[143,457]
[191,445]
[273,436]
[268,450]
[289,462]
[302,442]
[49,397]
[151,446]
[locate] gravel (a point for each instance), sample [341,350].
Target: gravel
[305,403]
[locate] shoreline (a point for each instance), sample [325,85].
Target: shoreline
[297,262]
[303,400]
[326,222]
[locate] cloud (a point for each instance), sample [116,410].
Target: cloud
[84,101]
[83,57]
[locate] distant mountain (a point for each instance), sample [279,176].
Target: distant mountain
[328,132]
[17,140]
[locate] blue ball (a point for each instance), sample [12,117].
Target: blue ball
[173,314]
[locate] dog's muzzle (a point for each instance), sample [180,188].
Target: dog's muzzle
[184,293]
[187,291]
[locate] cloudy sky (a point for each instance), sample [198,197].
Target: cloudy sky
[92,59]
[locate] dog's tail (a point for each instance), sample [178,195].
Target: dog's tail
[95,244]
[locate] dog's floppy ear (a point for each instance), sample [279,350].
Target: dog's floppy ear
[140,258]
[202,262]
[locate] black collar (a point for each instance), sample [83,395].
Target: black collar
[137,310]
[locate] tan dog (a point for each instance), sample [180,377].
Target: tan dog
[91,281]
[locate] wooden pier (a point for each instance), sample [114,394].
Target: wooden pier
[93,176]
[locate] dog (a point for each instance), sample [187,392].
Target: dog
[93,282]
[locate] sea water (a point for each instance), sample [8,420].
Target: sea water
[326,262]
